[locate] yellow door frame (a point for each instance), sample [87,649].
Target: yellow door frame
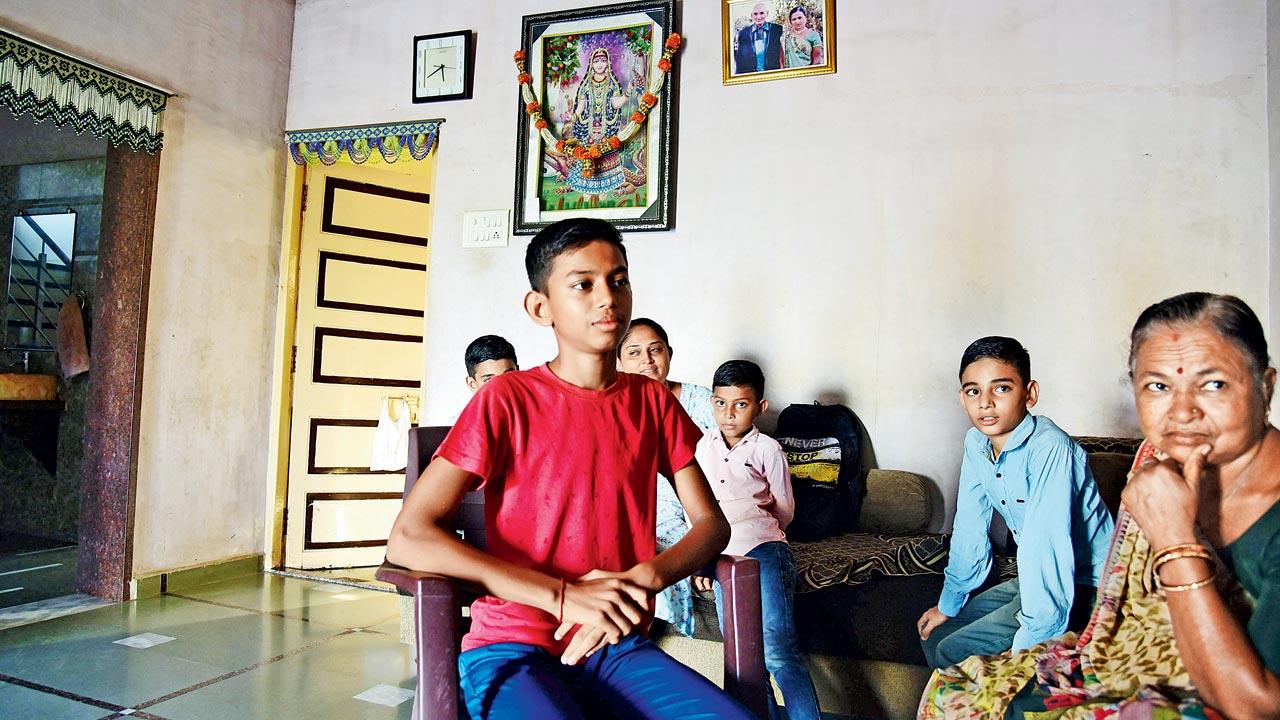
[282,365]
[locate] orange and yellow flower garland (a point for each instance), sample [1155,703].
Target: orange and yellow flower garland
[571,147]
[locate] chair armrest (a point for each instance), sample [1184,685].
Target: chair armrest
[415,582]
[435,615]
[744,673]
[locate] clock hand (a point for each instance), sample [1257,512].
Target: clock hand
[439,69]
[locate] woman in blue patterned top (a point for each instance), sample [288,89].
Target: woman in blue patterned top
[645,350]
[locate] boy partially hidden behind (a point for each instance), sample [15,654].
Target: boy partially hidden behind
[567,455]
[487,357]
[1032,473]
[749,476]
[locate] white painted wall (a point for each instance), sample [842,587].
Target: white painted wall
[1039,169]
[1273,196]
[201,488]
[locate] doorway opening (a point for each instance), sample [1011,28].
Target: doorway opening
[76,224]
[51,183]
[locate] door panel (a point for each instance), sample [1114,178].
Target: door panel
[362,282]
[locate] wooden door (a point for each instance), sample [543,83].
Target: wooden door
[362,278]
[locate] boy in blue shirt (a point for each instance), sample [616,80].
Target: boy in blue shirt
[1038,479]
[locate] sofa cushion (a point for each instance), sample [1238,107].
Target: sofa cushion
[897,502]
[1111,472]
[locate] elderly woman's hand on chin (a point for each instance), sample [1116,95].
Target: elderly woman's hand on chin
[1202,386]
[1164,497]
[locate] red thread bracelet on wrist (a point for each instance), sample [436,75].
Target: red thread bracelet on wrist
[563,585]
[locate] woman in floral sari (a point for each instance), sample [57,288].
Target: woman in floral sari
[1187,623]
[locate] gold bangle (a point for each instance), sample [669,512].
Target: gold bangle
[1156,558]
[1187,586]
[1179,546]
[1199,553]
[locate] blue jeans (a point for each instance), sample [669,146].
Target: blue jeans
[781,650]
[633,680]
[987,623]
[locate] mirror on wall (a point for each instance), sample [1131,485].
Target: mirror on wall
[40,270]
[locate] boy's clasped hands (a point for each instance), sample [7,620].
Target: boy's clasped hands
[604,607]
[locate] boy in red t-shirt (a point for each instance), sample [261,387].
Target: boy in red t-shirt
[567,455]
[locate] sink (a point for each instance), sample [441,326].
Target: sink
[15,386]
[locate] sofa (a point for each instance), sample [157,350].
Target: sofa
[859,595]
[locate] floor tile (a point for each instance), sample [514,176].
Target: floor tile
[37,575]
[20,702]
[105,673]
[385,695]
[336,606]
[390,628]
[42,610]
[318,684]
[78,653]
[142,641]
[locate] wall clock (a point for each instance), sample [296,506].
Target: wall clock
[442,66]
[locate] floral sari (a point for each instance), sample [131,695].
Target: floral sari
[1124,665]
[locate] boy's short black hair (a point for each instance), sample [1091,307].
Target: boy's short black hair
[1004,349]
[561,237]
[488,347]
[740,373]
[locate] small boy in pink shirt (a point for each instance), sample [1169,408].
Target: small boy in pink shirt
[749,476]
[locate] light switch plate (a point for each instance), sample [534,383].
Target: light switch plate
[486,228]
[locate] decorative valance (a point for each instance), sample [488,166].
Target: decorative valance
[50,85]
[359,143]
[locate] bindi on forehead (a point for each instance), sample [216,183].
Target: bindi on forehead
[1179,371]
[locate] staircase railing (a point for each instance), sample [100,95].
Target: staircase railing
[47,285]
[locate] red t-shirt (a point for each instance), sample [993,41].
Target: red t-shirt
[569,479]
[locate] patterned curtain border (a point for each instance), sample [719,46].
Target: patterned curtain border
[325,147]
[49,85]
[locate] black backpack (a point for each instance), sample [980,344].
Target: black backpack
[821,442]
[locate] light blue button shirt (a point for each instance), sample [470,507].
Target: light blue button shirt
[760,41]
[1042,486]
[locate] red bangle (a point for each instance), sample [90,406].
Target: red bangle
[560,617]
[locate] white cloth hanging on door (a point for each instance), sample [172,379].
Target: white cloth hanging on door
[391,437]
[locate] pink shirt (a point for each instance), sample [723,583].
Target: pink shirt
[752,483]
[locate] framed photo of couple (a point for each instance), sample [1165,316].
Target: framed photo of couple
[599,81]
[777,39]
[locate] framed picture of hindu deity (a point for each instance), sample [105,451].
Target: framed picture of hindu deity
[776,39]
[595,116]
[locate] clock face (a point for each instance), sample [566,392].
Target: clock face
[440,69]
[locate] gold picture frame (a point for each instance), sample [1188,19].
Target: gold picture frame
[788,39]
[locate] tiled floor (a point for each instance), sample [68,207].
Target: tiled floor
[259,646]
[34,569]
